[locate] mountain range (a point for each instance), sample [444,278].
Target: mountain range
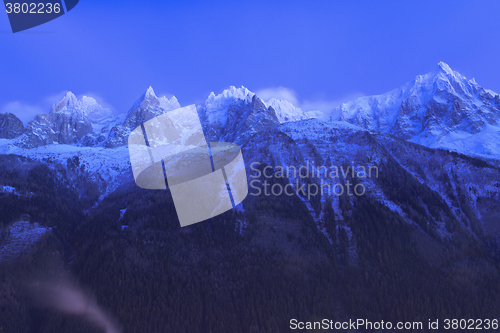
[422,240]
[441,109]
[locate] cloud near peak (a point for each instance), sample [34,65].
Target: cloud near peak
[324,105]
[278,93]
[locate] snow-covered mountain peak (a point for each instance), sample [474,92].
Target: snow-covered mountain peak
[85,108]
[150,101]
[491,92]
[69,120]
[67,102]
[148,95]
[149,92]
[286,111]
[441,79]
[70,98]
[216,106]
[227,97]
[447,82]
[445,68]
[169,104]
[438,109]
[445,73]
[147,107]
[70,102]
[164,102]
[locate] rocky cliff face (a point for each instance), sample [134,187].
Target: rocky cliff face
[147,107]
[441,109]
[68,122]
[235,115]
[10,126]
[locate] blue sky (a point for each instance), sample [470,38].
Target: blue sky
[319,52]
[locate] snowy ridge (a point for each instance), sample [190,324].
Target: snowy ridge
[441,109]
[216,106]
[87,107]
[286,111]
[150,99]
[107,167]
[147,107]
